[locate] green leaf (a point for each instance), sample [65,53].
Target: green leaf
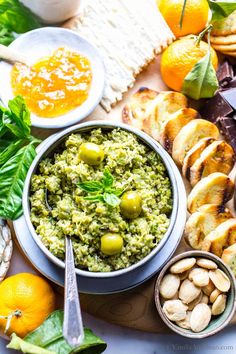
[91,186]
[49,336]
[111,199]
[107,178]
[16,17]
[95,198]
[221,9]
[12,177]
[19,344]
[10,150]
[6,36]
[20,114]
[201,81]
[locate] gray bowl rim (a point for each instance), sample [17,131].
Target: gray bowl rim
[56,140]
[222,266]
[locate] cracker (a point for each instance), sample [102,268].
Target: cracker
[225,26]
[224,40]
[225,48]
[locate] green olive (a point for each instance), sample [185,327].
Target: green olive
[131,204]
[111,244]
[91,153]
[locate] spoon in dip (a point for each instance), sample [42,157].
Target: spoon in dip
[73,330]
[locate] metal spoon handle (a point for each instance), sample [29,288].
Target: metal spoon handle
[73,330]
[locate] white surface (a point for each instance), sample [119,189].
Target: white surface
[125,341]
[54,11]
[43,42]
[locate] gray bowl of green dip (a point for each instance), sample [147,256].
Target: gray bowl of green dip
[55,144]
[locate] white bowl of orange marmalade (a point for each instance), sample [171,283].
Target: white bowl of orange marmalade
[63,82]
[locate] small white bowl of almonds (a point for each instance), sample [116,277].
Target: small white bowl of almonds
[195,294]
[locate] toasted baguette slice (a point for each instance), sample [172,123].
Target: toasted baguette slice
[165,104]
[223,236]
[217,188]
[202,222]
[229,257]
[135,112]
[193,154]
[217,157]
[190,135]
[174,124]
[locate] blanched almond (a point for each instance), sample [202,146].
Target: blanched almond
[220,280]
[206,263]
[188,291]
[175,310]
[182,265]
[185,323]
[208,288]
[199,276]
[204,299]
[196,301]
[215,293]
[183,275]
[200,317]
[169,286]
[219,305]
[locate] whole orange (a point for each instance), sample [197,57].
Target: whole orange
[195,15]
[29,299]
[179,59]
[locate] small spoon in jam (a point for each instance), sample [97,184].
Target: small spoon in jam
[12,56]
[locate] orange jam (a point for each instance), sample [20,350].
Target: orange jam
[55,85]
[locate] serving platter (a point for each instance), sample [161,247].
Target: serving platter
[133,308]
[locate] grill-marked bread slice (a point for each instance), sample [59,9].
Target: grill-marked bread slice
[217,157]
[190,135]
[135,111]
[193,154]
[229,257]
[166,103]
[223,236]
[174,124]
[204,221]
[217,188]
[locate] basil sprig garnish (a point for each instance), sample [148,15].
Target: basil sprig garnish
[102,191]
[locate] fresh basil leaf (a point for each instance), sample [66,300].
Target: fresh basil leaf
[49,336]
[95,198]
[12,177]
[20,114]
[19,344]
[201,81]
[107,178]
[6,36]
[117,191]
[16,17]
[91,186]
[111,199]
[221,9]
[10,150]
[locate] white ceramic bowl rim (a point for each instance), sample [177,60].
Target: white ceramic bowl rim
[67,38]
[57,139]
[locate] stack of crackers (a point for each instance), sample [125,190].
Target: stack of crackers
[128,35]
[223,35]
